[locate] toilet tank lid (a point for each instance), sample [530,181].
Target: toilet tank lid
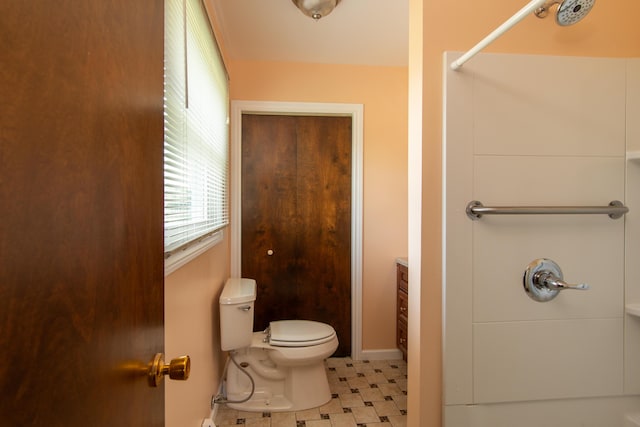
[238,290]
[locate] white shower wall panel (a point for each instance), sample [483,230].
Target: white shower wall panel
[588,412]
[545,105]
[632,283]
[547,360]
[566,180]
[503,246]
[540,131]
[633,105]
[502,251]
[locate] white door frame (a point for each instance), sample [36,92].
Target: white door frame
[355,111]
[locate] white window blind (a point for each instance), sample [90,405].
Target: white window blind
[196,110]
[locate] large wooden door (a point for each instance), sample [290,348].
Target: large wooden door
[296,219]
[81,200]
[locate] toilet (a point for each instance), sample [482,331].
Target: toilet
[285,362]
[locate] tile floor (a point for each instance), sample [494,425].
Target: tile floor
[364,394]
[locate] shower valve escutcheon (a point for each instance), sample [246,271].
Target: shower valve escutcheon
[543,280]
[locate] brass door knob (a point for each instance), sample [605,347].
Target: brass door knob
[178,369]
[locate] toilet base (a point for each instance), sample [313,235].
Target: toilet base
[300,388]
[264,402]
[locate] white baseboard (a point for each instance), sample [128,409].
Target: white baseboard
[384,354]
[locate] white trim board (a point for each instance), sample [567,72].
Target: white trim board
[356,112]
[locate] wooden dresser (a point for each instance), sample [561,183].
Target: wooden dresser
[402,305]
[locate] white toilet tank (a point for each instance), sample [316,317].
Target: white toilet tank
[236,313]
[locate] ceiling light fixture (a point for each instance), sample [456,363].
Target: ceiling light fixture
[316,9]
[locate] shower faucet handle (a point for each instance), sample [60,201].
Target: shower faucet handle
[548,280]
[543,280]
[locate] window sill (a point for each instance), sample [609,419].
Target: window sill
[177,260]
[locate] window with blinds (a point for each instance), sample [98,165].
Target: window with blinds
[196,110]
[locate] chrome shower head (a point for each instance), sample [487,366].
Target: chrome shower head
[569,11]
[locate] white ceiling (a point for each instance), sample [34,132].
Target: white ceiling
[363,32]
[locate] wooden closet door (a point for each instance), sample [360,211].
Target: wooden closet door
[269,214]
[296,202]
[324,223]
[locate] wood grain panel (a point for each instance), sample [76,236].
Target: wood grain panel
[324,231]
[296,200]
[269,214]
[81,271]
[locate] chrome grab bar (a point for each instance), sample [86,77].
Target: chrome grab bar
[476,209]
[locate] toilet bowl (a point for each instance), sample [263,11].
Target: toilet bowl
[279,369]
[298,342]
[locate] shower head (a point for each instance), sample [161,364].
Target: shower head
[569,11]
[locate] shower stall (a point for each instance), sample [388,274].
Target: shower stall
[541,311]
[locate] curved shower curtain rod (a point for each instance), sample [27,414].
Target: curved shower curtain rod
[519,16]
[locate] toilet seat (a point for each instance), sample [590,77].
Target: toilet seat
[299,333]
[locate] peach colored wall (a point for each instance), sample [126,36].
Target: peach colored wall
[191,293]
[383,91]
[610,30]
[192,326]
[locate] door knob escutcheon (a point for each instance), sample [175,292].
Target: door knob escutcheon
[178,369]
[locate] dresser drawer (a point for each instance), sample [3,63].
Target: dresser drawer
[402,338]
[402,309]
[403,278]
[403,304]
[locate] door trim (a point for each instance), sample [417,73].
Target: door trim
[355,111]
